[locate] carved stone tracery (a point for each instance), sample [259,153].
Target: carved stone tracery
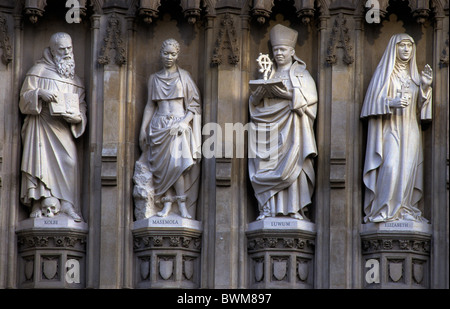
[227,39]
[340,38]
[113,40]
[4,41]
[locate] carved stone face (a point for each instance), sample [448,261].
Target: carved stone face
[50,207]
[404,50]
[62,49]
[169,56]
[283,54]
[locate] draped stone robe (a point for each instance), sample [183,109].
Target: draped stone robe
[393,168]
[171,156]
[286,185]
[49,161]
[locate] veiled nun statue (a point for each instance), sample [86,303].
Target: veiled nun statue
[397,99]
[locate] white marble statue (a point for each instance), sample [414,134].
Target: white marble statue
[170,138]
[288,99]
[52,100]
[398,97]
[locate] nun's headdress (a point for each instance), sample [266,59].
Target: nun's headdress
[379,85]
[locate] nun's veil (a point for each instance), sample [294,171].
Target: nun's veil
[374,102]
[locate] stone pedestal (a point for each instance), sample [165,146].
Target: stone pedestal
[167,252]
[396,255]
[52,253]
[281,253]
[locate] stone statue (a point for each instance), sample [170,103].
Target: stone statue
[393,171]
[288,100]
[170,138]
[52,100]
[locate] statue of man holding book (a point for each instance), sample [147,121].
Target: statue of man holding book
[285,100]
[52,99]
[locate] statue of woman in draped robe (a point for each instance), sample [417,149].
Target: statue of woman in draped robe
[397,98]
[170,134]
[284,184]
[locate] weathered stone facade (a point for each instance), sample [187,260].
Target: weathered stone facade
[116,47]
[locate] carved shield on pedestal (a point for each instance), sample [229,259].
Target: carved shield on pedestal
[418,272]
[165,268]
[302,270]
[188,266]
[50,268]
[259,270]
[145,269]
[395,271]
[29,269]
[279,269]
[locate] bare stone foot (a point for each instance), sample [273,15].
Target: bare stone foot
[165,211]
[183,211]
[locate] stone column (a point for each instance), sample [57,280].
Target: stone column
[228,99]
[440,151]
[11,30]
[339,140]
[114,214]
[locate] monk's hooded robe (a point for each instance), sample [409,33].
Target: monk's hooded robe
[49,163]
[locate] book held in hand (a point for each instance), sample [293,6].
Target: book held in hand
[266,83]
[66,103]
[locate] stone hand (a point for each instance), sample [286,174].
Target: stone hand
[47,95]
[72,118]
[143,139]
[427,76]
[280,92]
[399,102]
[179,128]
[259,93]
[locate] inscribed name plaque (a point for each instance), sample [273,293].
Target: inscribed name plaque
[397,226]
[281,223]
[172,221]
[56,222]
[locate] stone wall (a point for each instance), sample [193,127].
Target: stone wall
[116,47]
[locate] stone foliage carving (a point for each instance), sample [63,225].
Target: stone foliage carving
[5,42]
[286,104]
[168,170]
[395,244]
[444,53]
[263,243]
[166,241]
[226,40]
[339,38]
[393,169]
[113,41]
[52,99]
[69,241]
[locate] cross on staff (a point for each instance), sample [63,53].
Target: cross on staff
[265,65]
